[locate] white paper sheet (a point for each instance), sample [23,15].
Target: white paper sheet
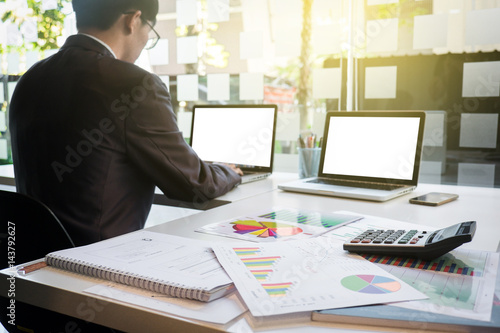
[479,130]
[434,129]
[159,55]
[481,79]
[475,302]
[219,311]
[287,42]
[12,88]
[326,39]
[30,30]
[187,50]
[3,121]
[251,86]
[430,31]
[187,12]
[251,44]
[13,62]
[14,36]
[381,82]
[482,26]
[306,275]
[451,294]
[382,35]
[474,174]
[218,10]
[176,261]
[278,224]
[326,82]
[3,149]
[218,87]
[166,79]
[49,4]
[187,87]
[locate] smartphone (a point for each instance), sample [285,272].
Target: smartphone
[433,199]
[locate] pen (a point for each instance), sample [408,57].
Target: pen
[23,270]
[311,141]
[301,142]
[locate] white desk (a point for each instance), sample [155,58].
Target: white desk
[474,203]
[63,292]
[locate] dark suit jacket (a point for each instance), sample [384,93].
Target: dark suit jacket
[93,135]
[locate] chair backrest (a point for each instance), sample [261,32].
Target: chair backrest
[28,230]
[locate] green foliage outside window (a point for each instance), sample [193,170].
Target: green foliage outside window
[50,23]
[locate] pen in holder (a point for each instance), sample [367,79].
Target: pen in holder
[309,162]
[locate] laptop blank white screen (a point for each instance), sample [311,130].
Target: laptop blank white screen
[381,147]
[242,136]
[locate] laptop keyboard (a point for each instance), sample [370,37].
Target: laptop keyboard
[370,185]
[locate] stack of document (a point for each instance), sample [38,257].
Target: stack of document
[305,273]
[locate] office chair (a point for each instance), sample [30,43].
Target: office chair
[28,231]
[32,228]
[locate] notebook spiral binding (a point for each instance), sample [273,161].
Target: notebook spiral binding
[134,280]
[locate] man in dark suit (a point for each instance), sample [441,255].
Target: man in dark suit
[93,134]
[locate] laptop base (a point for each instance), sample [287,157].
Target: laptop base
[302,186]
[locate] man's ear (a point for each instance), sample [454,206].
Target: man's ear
[132,21]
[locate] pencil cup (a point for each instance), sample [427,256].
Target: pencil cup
[309,162]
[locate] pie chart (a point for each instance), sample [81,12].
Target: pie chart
[371,284]
[264,229]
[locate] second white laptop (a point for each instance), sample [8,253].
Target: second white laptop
[371,155]
[236,134]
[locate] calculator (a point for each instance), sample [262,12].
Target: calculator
[420,244]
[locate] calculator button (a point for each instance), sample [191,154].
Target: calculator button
[388,241]
[356,240]
[366,241]
[403,241]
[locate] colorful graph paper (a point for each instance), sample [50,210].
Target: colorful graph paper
[325,220]
[447,263]
[246,251]
[260,262]
[277,289]
[261,274]
[370,284]
[264,229]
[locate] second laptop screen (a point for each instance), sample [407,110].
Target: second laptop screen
[381,147]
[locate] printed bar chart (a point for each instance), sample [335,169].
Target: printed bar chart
[277,289]
[246,251]
[309,218]
[260,262]
[467,264]
[261,274]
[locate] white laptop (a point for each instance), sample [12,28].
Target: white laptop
[236,134]
[370,155]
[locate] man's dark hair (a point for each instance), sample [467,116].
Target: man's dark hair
[102,14]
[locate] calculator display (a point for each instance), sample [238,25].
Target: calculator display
[445,233]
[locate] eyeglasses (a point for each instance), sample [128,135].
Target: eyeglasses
[154,37]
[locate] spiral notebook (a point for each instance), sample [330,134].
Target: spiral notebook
[171,265]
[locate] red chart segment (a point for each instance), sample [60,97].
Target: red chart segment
[370,284]
[264,229]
